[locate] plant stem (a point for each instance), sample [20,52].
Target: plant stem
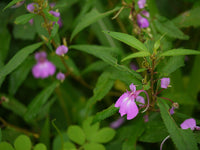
[29,133]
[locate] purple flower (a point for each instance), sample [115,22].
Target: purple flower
[60,76]
[43,68]
[146,118]
[165,82]
[31,21]
[116,124]
[127,104]
[52,5]
[61,50]
[190,123]
[141,3]
[141,100]
[31,7]
[145,13]
[56,14]
[133,66]
[171,111]
[142,22]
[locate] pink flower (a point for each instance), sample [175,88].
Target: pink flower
[127,104]
[141,3]
[56,14]
[142,22]
[165,82]
[61,50]
[31,7]
[43,68]
[60,76]
[52,4]
[31,21]
[190,123]
[116,124]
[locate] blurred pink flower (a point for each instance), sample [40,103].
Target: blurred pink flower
[43,68]
[141,3]
[165,82]
[31,7]
[61,50]
[60,76]
[190,123]
[116,124]
[142,22]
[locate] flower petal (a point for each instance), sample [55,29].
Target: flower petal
[189,123]
[141,100]
[132,87]
[122,98]
[131,109]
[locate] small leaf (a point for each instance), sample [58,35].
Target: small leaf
[24,18]
[5,146]
[15,106]
[90,129]
[69,146]
[176,52]
[37,103]
[12,3]
[105,113]
[128,39]
[90,18]
[183,139]
[76,134]
[188,18]
[22,142]
[54,30]
[40,146]
[104,135]
[93,146]
[19,75]
[135,55]
[18,59]
[167,27]
[103,86]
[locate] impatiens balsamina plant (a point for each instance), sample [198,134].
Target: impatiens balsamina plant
[99,75]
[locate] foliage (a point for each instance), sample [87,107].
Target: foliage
[141,60]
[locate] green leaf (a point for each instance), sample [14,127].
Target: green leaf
[101,52]
[105,53]
[188,18]
[45,133]
[15,106]
[0,135]
[12,3]
[95,66]
[135,55]
[183,139]
[104,135]
[22,142]
[105,113]
[90,18]
[93,146]
[18,59]
[176,52]
[19,75]
[24,32]
[103,86]
[167,27]
[155,131]
[40,146]
[5,39]
[38,102]
[133,133]
[171,65]
[69,146]
[76,134]
[90,129]
[54,30]
[24,18]
[5,146]
[128,39]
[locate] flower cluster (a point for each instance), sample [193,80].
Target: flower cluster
[142,20]
[127,102]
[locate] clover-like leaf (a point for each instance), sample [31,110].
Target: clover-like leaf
[76,134]
[22,142]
